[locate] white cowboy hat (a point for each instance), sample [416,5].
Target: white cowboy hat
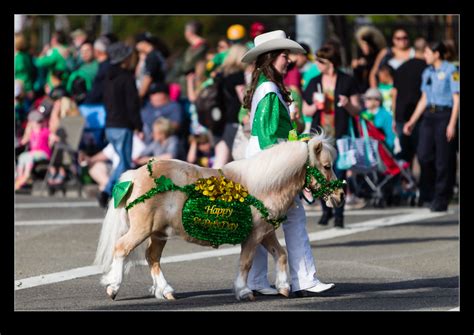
[273,40]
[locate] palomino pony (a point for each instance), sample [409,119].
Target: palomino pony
[274,176]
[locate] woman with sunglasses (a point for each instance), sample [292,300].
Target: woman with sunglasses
[394,56]
[331,98]
[270,120]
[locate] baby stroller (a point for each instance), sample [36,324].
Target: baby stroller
[387,178]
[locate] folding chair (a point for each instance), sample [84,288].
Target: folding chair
[70,133]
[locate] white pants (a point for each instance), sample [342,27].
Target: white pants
[300,256]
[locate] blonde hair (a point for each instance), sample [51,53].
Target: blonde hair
[20,42]
[233,62]
[68,107]
[163,125]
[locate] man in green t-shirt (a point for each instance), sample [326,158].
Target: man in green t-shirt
[86,73]
[54,57]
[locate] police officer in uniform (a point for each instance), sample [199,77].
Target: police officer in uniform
[439,104]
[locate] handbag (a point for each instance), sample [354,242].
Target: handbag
[346,155]
[367,151]
[357,153]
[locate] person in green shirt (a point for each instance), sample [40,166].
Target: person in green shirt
[54,57]
[87,72]
[268,101]
[235,34]
[385,86]
[24,68]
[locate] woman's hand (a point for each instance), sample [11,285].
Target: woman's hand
[295,114]
[408,128]
[450,132]
[343,101]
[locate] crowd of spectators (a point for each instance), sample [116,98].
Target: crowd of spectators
[148,97]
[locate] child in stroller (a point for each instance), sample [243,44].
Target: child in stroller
[394,182]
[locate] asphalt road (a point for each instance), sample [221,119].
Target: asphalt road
[385,259]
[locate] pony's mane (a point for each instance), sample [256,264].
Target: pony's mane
[328,143]
[271,169]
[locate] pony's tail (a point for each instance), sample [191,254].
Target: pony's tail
[115,225]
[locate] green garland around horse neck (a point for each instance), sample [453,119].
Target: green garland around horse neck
[325,187]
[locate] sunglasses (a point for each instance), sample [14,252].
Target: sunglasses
[400,38]
[321,60]
[371,98]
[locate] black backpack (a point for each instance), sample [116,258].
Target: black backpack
[210,106]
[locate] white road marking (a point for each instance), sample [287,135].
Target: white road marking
[57,205]
[360,212]
[315,236]
[373,224]
[100,220]
[58,222]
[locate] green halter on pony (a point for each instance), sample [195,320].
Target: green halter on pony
[325,187]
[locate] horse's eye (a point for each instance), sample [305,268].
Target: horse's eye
[327,167]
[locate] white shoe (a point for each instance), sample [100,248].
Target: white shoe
[320,287]
[314,290]
[267,291]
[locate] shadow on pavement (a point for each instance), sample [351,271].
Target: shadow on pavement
[412,294]
[350,288]
[365,243]
[186,301]
[429,293]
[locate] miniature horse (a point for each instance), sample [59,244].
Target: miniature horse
[274,176]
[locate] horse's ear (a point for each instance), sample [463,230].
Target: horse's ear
[318,147]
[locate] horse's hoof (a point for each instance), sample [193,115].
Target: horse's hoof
[284,292]
[111,293]
[169,296]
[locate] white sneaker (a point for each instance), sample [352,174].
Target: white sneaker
[267,291]
[320,287]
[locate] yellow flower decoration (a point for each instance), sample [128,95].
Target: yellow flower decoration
[221,188]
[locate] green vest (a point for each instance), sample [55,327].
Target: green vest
[271,120]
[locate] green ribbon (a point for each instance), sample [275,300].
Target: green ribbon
[119,191]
